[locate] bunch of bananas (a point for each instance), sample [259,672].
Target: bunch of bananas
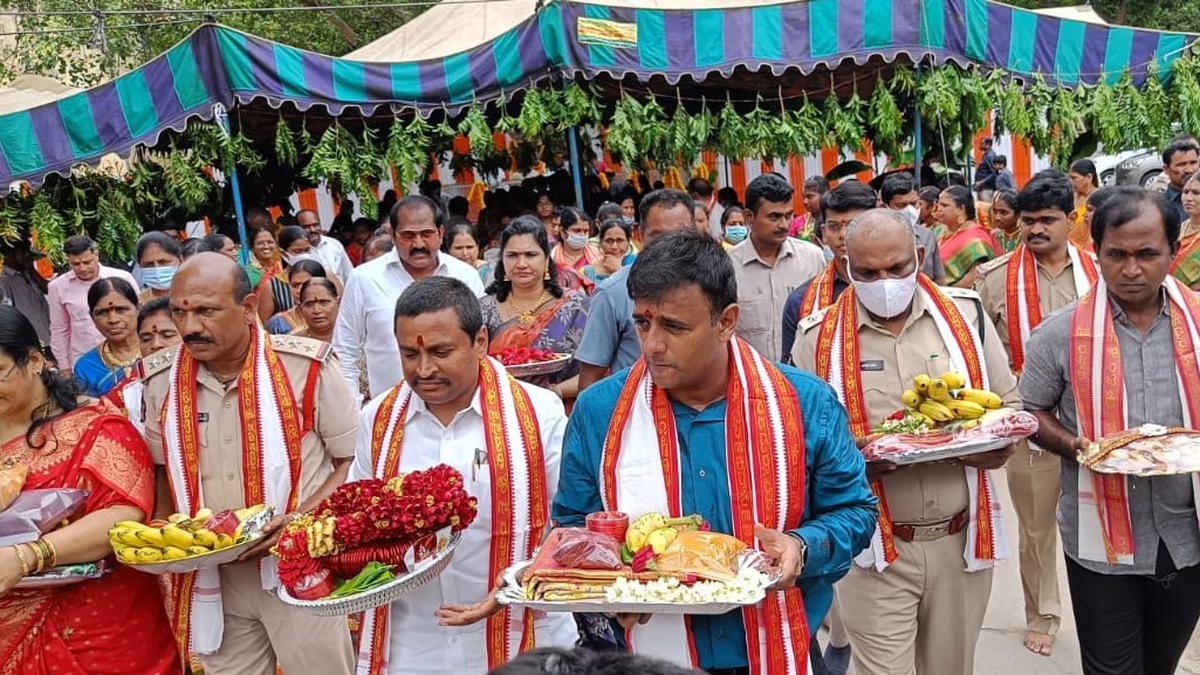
[938,400]
[182,536]
[658,531]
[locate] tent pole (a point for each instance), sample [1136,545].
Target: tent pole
[221,115]
[576,167]
[917,133]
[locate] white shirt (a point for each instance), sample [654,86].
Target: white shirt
[332,255]
[419,646]
[365,329]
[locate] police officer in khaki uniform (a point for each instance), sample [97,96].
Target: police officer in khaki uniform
[1046,207]
[214,310]
[923,613]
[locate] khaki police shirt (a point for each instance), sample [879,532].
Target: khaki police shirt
[1054,292]
[763,290]
[923,493]
[334,429]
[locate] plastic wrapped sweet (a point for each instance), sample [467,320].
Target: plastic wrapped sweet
[583,549]
[708,555]
[36,512]
[12,479]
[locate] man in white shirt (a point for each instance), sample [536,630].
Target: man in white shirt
[769,264]
[72,331]
[327,250]
[459,407]
[364,333]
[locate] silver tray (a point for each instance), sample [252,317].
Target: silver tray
[426,571]
[548,367]
[196,562]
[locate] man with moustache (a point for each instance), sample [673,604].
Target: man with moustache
[204,403]
[769,264]
[327,250]
[1124,355]
[454,402]
[364,332]
[1044,274]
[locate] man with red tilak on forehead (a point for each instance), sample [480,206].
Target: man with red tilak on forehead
[915,601]
[704,424]
[458,406]
[1124,355]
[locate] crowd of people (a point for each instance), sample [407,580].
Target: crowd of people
[730,357]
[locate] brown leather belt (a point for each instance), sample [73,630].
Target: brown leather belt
[930,531]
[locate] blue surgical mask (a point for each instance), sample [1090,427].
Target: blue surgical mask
[576,241]
[158,278]
[628,220]
[736,233]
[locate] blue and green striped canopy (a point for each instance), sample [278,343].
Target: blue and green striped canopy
[566,38]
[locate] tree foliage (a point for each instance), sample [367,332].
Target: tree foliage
[1176,15]
[83,49]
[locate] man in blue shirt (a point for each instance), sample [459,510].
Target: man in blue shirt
[685,311]
[609,341]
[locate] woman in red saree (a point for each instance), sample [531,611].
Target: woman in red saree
[964,243]
[526,306]
[115,624]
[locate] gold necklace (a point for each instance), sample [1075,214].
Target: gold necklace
[111,359]
[525,316]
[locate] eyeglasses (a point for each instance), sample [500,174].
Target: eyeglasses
[834,225]
[410,236]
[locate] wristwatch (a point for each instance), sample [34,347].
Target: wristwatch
[803,550]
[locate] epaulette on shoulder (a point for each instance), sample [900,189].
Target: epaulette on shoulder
[961,293]
[812,320]
[994,263]
[302,346]
[156,362]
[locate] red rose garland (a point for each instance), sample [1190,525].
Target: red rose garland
[372,520]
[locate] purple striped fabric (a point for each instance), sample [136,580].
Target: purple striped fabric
[318,76]
[1145,46]
[262,56]
[51,135]
[956,27]
[161,84]
[999,33]
[483,69]
[529,44]
[433,81]
[210,67]
[906,31]
[1045,47]
[739,35]
[680,28]
[1095,39]
[850,26]
[109,126]
[797,46]
[377,79]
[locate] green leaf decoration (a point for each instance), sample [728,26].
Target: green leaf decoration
[48,228]
[285,144]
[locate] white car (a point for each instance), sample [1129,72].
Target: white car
[1109,166]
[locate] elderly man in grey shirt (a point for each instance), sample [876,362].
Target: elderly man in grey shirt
[1135,612]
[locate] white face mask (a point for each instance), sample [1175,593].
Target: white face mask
[911,214]
[293,258]
[885,298]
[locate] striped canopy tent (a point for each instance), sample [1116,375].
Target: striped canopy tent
[695,50]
